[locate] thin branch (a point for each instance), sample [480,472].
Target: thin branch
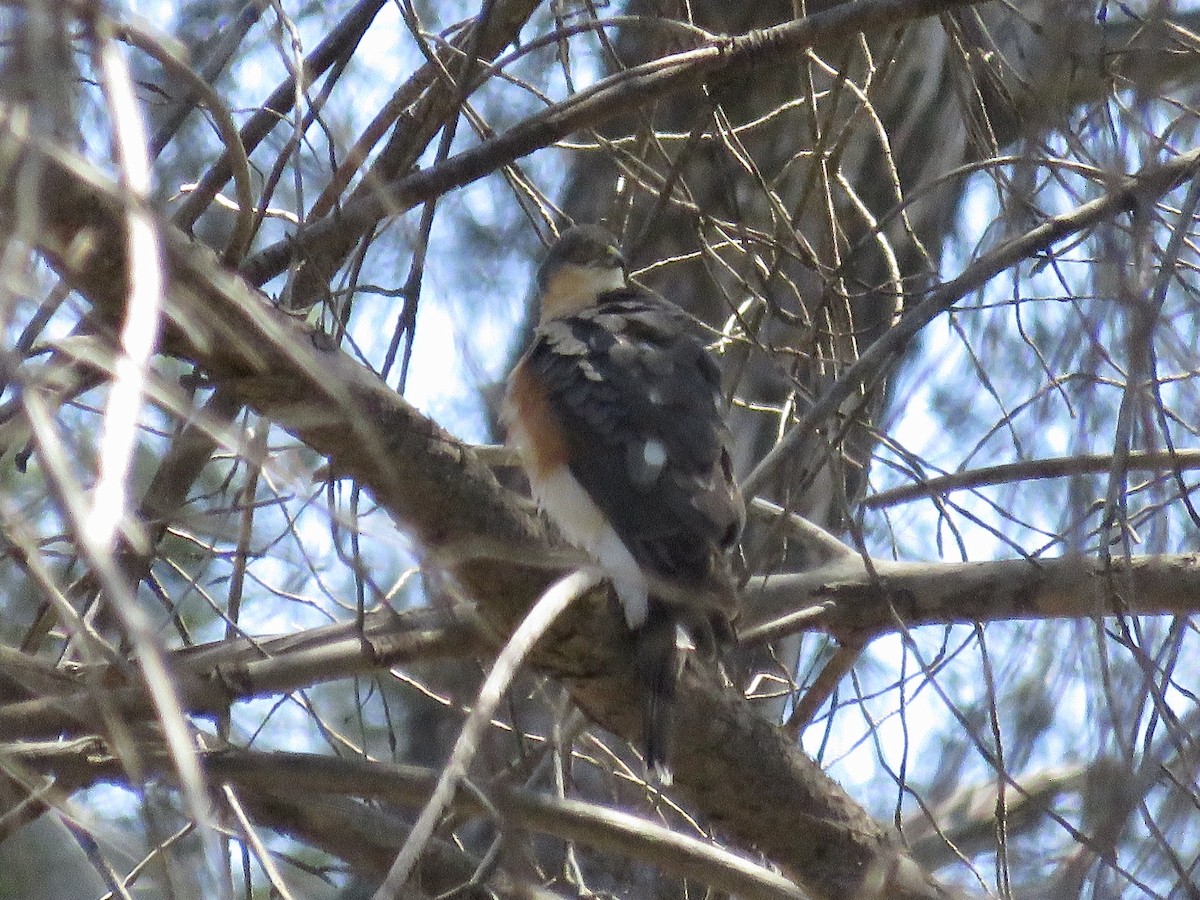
[239,239]
[549,607]
[815,538]
[209,679]
[250,836]
[338,44]
[1031,470]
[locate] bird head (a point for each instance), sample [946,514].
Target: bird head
[582,264]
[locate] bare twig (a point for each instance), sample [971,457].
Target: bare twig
[1032,469]
[548,608]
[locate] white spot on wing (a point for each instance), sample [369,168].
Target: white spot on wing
[654,453]
[646,463]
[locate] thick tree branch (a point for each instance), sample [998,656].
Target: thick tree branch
[855,602]
[842,597]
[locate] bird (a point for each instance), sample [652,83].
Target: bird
[617,416]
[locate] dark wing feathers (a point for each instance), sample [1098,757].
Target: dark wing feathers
[639,400]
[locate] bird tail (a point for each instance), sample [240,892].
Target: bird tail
[657,657]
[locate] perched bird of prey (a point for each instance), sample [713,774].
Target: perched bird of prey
[616,414]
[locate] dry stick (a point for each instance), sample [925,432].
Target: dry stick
[815,538]
[23,549]
[137,625]
[209,58]
[822,688]
[143,313]
[1030,470]
[548,608]
[251,837]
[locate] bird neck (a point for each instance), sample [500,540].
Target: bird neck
[574,288]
